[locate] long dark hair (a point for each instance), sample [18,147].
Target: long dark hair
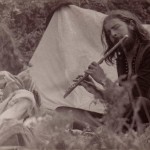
[140,32]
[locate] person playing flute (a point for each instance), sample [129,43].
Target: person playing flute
[132,59]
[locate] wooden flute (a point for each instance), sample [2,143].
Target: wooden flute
[73,86]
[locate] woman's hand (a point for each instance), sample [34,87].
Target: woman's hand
[96,72]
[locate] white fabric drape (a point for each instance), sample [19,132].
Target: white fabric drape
[70,43]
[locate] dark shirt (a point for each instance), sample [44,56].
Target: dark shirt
[140,67]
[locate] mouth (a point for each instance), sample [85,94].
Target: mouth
[123,43]
[116,40]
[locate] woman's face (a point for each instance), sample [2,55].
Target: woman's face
[117,29]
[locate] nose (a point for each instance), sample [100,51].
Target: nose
[113,34]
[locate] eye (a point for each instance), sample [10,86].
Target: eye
[116,27]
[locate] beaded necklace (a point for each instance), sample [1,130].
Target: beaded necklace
[130,62]
[129,59]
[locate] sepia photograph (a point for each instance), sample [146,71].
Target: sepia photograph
[74,74]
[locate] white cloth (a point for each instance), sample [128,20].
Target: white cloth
[70,43]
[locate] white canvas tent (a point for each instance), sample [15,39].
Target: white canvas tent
[70,43]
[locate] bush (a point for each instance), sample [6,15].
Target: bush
[27,19]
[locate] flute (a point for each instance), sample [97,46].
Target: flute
[73,86]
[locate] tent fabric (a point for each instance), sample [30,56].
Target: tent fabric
[70,43]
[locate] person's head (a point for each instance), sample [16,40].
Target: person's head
[120,23]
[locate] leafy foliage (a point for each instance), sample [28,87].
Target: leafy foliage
[51,133]
[52,130]
[27,19]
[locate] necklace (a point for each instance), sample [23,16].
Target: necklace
[130,61]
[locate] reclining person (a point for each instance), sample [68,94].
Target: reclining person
[16,85]
[19,99]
